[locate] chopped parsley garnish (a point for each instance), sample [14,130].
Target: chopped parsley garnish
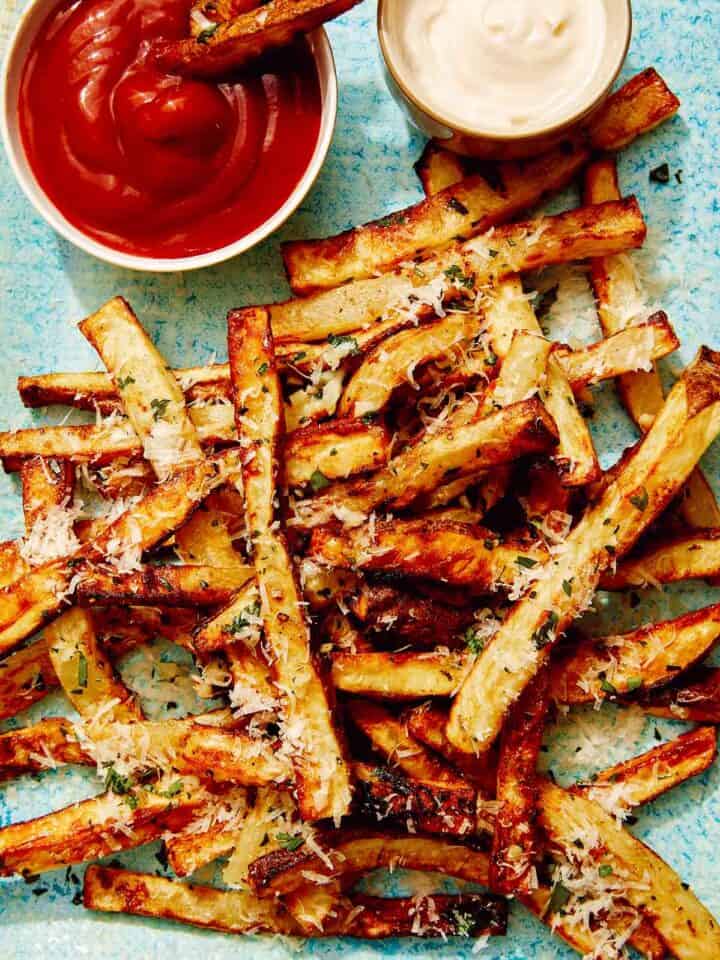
[396,219]
[123,382]
[344,340]
[205,35]
[318,481]
[567,587]
[634,683]
[660,174]
[290,842]
[241,621]
[173,790]
[263,368]
[463,923]
[473,642]
[605,870]
[455,275]
[82,670]
[526,562]
[545,634]
[457,206]
[159,407]
[640,499]
[559,898]
[118,784]
[608,687]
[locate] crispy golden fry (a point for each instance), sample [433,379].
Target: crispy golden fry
[44,745]
[462,209]
[358,852]
[453,449]
[655,772]
[576,459]
[438,168]
[171,585]
[399,676]
[231,911]
[637,107]
[336,451]
[238,621]
[456,272]
[681,432]
[389,736]
[695,699]
[515,848]
[691,556]
[393,362]
[34,599]
[45,484]
[652,656]
[228,46]
[84,672]
[99,826]
[322,776]
[386,797]
[619,298]
[422,622]
[687,928]
[458,554]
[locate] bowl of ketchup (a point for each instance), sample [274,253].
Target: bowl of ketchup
[146,169]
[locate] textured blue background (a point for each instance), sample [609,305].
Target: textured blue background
[46,285]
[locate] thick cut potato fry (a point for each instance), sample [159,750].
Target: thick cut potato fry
[691,556]
[357,852]
[454,449]
[25,677]
[653,888]
[441,916]
[390,737]
[515,848]
[322,775]
[227,47]
[413,805]
[42,746]
[99,826]
[172,585]
[461,209]
[486,259]
[334,451]
[230,911]
[595,669]
[399,676]
[35,598]
[393,361]
[84,672]
[422,622]
[238,621]
[696,698]
[45,484]
[679,436]
[637,107]
[644,778]
[458,554]
[576,459]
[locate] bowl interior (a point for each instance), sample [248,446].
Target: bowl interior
[18,48]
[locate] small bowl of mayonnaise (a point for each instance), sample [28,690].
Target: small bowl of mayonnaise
[499,78]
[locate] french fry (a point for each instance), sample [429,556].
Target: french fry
[423,622]
[399,676]
[237,622]
[455,449]
[691,556]
[390,737]
[461,209]
[25,677]
[652,656]
[454,553]
[204,13]
[680,433]
[695,699]
[99,826]
[486,259]
[35,598]
[85,674]
[231,911]
[468,916]
[651,886]
[576,459]
[515,848]
[645,778]
[42,746]
[397,802]
[637,107]
[174,585]
[317,453]
[229,46]
[358,852]
[322,775]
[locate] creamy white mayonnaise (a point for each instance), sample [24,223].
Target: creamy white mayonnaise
[505,67]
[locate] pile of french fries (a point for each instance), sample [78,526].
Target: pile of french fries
[373,528]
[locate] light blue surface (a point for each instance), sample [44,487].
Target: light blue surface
[46,285]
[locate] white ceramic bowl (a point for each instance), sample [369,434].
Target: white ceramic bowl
[19,44]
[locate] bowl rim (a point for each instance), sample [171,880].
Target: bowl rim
[476,132]
[322,53]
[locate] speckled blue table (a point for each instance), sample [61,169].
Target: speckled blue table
[46,285]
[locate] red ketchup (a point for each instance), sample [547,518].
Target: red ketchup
[152,164]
